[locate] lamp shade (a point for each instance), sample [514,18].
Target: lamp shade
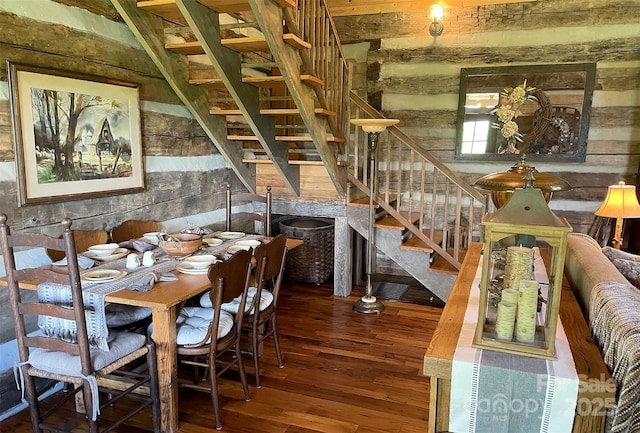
[621,202]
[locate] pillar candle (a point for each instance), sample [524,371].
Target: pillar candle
[510,296]
[527,309]
[519,266]
[505,320]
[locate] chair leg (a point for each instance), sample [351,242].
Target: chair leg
[32,399]
[153,385]
[243,376]
[276,342]
[214,393]
[256,354]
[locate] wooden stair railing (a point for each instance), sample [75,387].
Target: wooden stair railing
[413,185]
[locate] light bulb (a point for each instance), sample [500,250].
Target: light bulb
[436,12]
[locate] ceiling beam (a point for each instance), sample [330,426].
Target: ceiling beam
[369,7]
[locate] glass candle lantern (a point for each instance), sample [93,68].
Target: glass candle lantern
[519,304]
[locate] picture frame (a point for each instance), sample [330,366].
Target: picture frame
[76,136]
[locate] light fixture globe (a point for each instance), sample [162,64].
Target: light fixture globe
[435,13]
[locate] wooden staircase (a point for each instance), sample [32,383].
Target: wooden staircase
[246,70]
[269,84]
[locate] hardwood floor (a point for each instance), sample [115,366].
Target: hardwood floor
[344,372]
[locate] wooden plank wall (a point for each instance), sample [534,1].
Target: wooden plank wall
[415,78]
[185,175]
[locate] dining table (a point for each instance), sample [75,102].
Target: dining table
[165,299]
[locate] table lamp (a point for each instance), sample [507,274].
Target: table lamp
[621,202]
[373,127]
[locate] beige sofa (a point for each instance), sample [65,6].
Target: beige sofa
[611,306]
[585,266]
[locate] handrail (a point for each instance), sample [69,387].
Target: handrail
[417,189]
[325,59]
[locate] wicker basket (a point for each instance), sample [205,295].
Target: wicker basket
[313,260]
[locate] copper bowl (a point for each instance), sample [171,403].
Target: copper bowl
[180,244]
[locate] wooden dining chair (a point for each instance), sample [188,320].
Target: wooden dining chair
[211,333]
[244,200]
[259,321]
[72,347]
[132,229]
[83,239]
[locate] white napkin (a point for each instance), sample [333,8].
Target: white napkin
[138,245]
[146,281]
[83,262]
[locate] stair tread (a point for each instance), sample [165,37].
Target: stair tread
[444,267]
[168,9]
[274,111]
[364,201]
[241,45]
[414,243]
[305,138]
[390,222]
[266,81]
[291,161]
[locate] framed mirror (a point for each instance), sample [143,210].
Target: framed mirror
[550,105]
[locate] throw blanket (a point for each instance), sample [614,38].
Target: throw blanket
[503,393]
[615,324]
[66,330]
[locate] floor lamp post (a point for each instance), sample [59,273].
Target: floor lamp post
[373,127]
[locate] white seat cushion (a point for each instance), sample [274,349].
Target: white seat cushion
[121,315]
[193,323]
[266,298]
[120,344]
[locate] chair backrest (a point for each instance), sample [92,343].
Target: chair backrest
[249,198]
[21,308]
[270,261]
[83,239]
[230,280]
[132,229]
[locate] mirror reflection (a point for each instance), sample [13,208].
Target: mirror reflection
[542,111]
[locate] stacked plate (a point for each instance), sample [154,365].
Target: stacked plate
[103,275]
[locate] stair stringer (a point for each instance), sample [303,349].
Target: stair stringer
[204,22]
[415,263]
[270,17]
[147,29]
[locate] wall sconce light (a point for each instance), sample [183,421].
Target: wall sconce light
[436,12]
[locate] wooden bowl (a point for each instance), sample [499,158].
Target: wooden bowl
[180,244]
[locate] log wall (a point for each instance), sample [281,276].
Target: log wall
[415,78]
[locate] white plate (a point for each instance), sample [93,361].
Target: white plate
[251,243]
[103,275]
[186,268]
[230,235]
[118,253]
[213,242]
[232,249]
[202,261]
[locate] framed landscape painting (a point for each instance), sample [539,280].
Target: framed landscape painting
[76,136]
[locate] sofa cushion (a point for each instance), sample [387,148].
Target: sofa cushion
[585,266]
[614,254]
[630,269]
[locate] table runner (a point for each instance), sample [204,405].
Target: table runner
[94,294]
[503,393]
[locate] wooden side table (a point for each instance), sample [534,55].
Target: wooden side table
[596,391]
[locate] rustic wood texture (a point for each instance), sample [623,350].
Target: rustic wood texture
[415,78]
[344,372]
